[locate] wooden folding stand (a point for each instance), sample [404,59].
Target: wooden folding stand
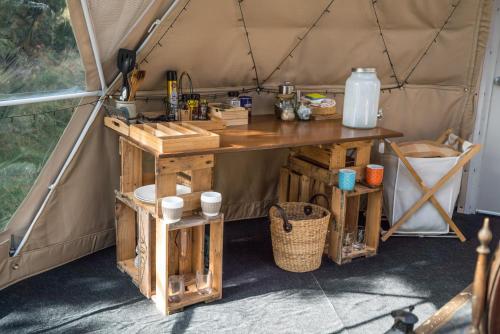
[428,193]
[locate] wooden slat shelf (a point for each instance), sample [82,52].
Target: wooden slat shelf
[186,222]
[132,202]
[367,252]
[190,298]
[361,189]
[192,221]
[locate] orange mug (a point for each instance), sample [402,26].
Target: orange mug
[374,175]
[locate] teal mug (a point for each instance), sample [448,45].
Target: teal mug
[347,179]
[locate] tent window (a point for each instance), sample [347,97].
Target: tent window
[38,52]
[26,142]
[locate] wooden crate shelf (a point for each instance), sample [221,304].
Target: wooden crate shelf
[314,169]
[345,212]
[166,249]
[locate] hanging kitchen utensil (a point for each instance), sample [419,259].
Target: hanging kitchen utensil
[125,63]
[136,78]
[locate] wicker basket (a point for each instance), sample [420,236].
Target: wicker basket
[298,234]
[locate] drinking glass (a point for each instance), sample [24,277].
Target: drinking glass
[360,243]
[204,282]
[347,246]
[175,288]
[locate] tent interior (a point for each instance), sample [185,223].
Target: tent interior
[429,57]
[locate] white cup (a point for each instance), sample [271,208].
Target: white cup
[211,202]
[172,209]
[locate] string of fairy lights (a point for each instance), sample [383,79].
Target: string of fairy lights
[386,49]
[400,82]
[11,118]
[433,41]
[170,27]
[250,50]
[299,41]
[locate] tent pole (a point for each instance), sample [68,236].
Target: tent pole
[48,98]
[53,186]
[89,122]
[146,41]
[93,43]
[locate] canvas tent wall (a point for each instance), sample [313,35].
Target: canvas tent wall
[428,52]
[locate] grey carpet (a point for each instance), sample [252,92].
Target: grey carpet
[91,295]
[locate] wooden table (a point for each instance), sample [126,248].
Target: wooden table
[267,132]
[157,240]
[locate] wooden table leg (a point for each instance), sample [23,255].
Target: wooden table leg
[162,242]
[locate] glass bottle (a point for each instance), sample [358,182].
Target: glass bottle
[362,92]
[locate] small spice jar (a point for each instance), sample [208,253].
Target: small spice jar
[246,102]
[233,99]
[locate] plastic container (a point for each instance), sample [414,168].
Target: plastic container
[130,108]
[362,93]
[246,102]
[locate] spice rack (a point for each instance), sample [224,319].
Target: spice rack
[166,249]
[315,169]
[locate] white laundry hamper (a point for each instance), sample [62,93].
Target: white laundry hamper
[401,192]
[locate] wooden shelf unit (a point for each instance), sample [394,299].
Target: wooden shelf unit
[314,169]
[345,212]
[166,249]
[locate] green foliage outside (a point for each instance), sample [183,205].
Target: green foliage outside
[38,53]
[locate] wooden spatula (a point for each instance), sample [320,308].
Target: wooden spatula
[136,78]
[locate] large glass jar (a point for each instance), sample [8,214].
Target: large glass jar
[362,92]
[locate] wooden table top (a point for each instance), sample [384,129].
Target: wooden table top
[266,132]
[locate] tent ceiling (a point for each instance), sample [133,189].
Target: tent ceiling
[208,40]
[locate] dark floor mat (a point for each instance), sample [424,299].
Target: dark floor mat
[91,295]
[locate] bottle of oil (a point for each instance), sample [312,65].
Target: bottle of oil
[172,97]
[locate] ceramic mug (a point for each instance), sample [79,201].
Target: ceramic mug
[172,209]
[374,175]
[347,179]
[210,203]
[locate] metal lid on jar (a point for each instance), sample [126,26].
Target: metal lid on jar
[364,69]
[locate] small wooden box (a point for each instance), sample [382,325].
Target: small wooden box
[118,125]
[172,137]
[231,116]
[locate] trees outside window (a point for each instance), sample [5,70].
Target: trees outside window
[38,54]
